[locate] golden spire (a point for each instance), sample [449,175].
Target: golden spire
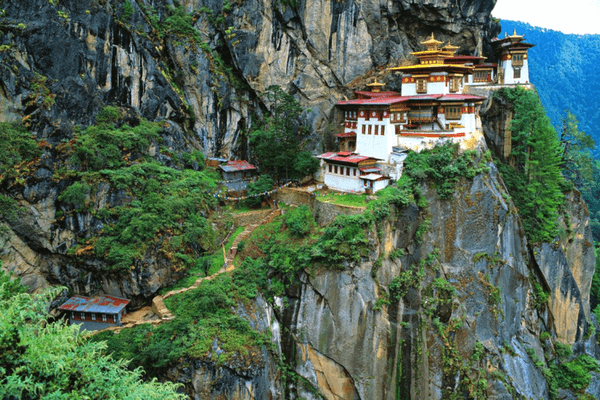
[375,86]
[431,43]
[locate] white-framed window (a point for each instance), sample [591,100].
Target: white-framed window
[93,317]
[104,317]
[82,316]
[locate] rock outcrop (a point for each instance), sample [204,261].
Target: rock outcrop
[63,61]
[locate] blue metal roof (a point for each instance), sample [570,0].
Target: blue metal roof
[100,305]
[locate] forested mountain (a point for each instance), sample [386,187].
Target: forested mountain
[563,68]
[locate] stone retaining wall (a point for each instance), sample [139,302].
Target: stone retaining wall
[250,218]
[324,213]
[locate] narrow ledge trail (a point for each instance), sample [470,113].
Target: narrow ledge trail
[158,312]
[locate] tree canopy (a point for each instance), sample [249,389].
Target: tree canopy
[534,176]
[276,143]
[50,360]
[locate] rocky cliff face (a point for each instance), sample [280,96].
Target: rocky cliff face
[421,347]
[64,60]
[201,67]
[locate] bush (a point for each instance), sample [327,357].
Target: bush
[75,195]
[575,374]
[299,220]
[16,146]
[256,189]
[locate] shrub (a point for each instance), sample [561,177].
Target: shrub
[256,189]
[299,220]
[75,195]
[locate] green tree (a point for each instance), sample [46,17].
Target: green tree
[577,157]
[276,143]
[42,359]
[255,189]
[534,178]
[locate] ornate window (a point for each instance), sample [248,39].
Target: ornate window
[453,112]
[517,73]
[364,129]
[517,59]
[454,84]
[369,129]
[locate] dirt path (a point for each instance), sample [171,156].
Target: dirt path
[159,312]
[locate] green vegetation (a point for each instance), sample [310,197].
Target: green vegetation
[574,374]
[444,166]
[345,199]
[44,359]
[165,208]
[180,24]
[534,179]
[263,184]
[299,221]
[276,142]
[203,316]
[411,278]
[17,148]
[127,11]
[539,293]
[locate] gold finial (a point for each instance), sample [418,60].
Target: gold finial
[515,32]
[376,86]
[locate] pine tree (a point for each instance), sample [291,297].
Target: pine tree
[534,179]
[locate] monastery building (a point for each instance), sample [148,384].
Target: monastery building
[435,105]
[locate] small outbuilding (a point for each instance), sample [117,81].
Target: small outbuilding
[95,313]
[236,174]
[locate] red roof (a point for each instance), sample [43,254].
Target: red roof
[400,99]
[237,165]
[345,156]
[488,65]
[346,134]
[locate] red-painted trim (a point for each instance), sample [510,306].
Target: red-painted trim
[421,134]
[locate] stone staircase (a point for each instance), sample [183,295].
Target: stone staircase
[245,234]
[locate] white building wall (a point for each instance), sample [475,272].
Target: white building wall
[378,185]
[409,89]
[509,78]
[437,87]
[377,146]
[343,183]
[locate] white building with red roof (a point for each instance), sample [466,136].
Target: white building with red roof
[435,106]
[349,172]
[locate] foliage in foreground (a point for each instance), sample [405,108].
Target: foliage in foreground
[41,359]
